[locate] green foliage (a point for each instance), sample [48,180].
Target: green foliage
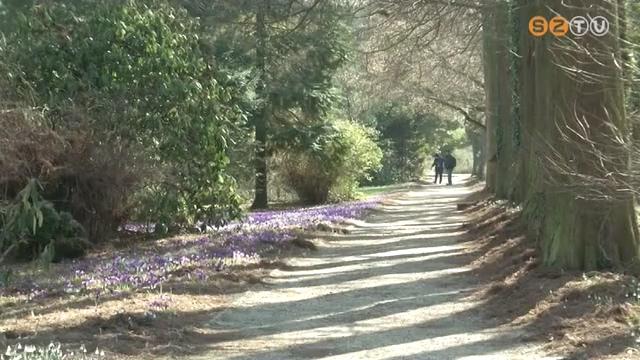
[11,11]
[6,276]
[286,70]
[311,162]
[361,159]
[464,158]
[305,61]
[329,162]
[409,138]
[26,216]
[32,226]
[136,75]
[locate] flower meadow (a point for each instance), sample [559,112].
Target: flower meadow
[194,259]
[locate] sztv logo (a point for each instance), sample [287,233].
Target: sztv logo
[559,26]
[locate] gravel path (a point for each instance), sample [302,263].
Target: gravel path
[393,288]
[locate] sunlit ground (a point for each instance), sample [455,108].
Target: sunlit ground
[395,287]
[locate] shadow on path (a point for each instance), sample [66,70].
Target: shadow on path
[395,287]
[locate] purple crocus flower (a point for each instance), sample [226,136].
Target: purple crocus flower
[135,269]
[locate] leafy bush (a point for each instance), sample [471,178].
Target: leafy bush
[330,164]
[33,227]
[307,176]
[142,113]
[84,175]
[362,158]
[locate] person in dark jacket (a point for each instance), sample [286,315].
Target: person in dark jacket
[438,164]
[449,165]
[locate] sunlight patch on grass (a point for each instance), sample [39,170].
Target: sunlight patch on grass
[371,191]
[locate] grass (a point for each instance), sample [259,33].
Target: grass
[365,192]
[373,191]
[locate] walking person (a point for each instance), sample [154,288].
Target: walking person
[449,165]
[438,163]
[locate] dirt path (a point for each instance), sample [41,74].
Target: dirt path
[393,288]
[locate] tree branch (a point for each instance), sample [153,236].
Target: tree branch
[467,117]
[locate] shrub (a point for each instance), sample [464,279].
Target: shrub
[89,178]
[138,120]
[307,176]
[362,158]
[333,165]
[33,227]
[29,147]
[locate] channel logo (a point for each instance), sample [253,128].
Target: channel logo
[559,26]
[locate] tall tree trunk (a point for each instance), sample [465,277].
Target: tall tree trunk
[505,149]
[261,120]
[576,230]
[477,148]
[489,45]
[630,69]
[474,152]
[614,239]
[534,73]
[482,156]
[519,38]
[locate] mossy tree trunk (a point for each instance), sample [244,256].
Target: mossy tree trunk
[489,49]
[505,148]
[530,75]
[500,149]
[518,20]
[559,99]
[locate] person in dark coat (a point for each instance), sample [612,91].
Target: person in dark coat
[449,165]
[438,164]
